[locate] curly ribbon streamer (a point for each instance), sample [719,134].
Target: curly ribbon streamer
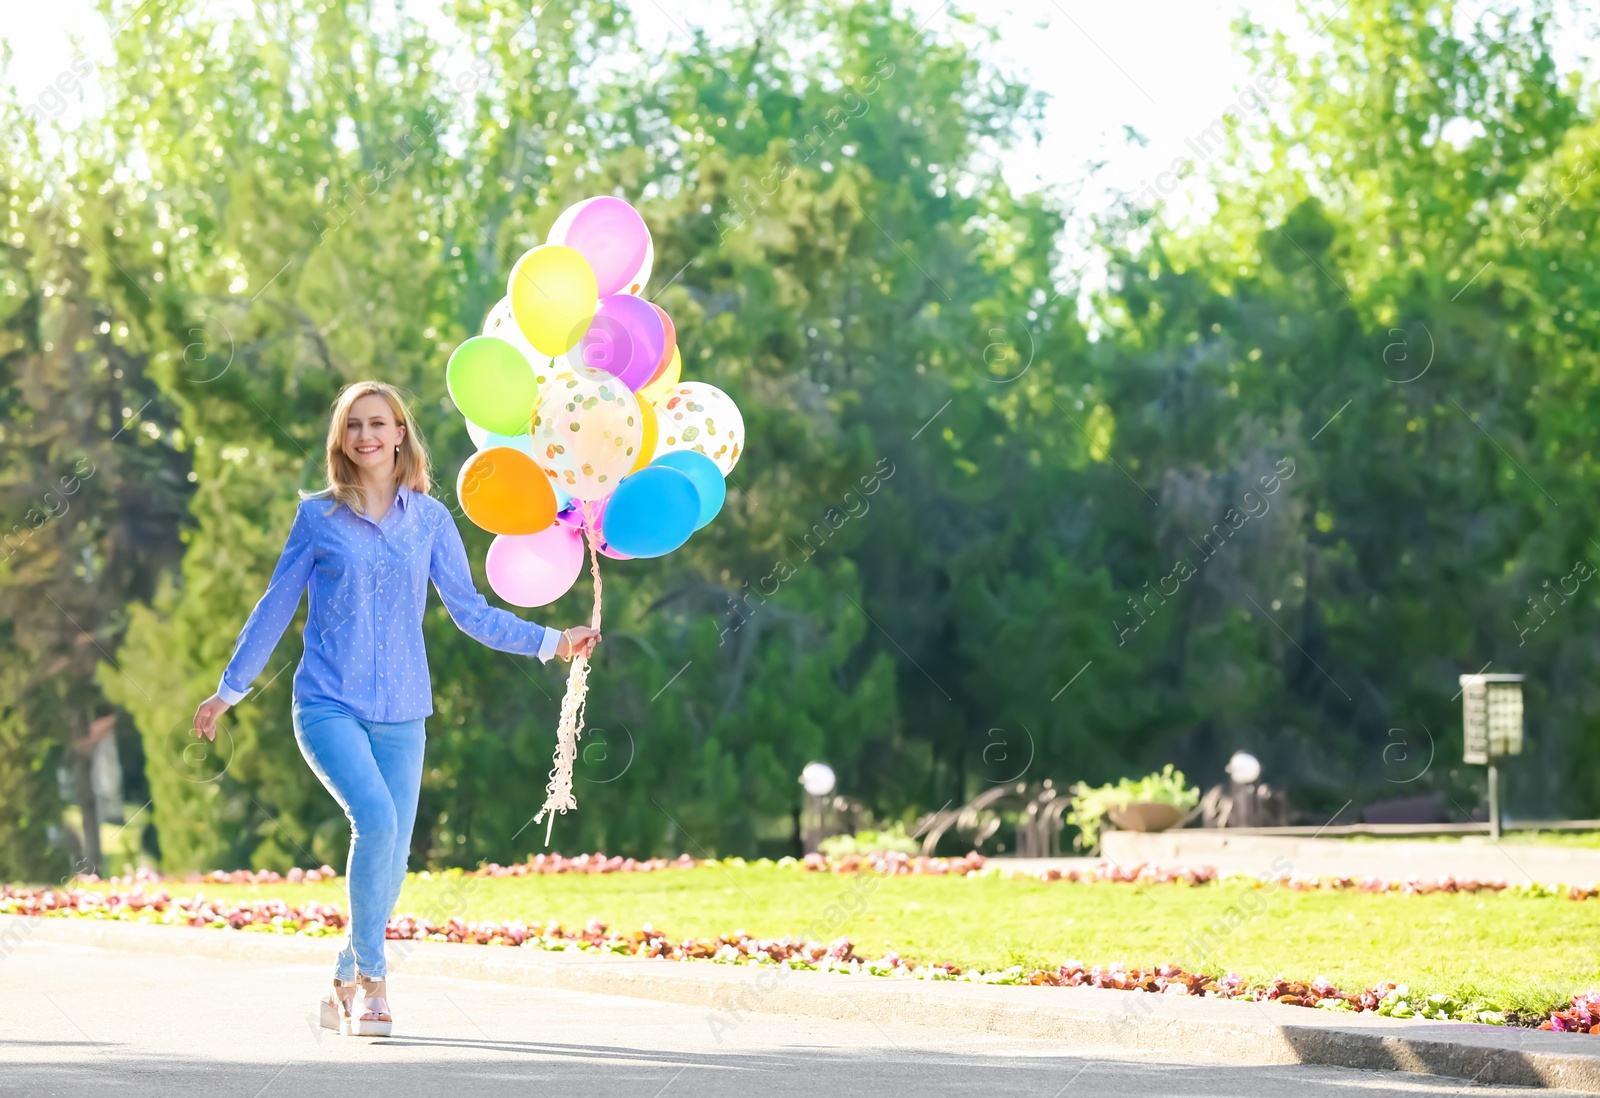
[558,793]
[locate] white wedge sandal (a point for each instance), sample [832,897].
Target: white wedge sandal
[333,1012]
[370,1015]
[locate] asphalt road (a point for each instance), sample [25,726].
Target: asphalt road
[76,1021]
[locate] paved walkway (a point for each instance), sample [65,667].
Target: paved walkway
[79,1020]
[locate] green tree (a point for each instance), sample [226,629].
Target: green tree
[92,491]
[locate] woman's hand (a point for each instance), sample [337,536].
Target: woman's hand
[205,718]
[577,641]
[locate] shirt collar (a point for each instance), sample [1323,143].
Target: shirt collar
[403,495]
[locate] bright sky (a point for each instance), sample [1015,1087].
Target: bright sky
[1166,68]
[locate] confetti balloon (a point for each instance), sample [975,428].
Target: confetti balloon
[586,434]
[700,417]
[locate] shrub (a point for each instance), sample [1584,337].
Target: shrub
[1089,806]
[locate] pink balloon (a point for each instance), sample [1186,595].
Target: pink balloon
[610,234]
[626,340]
[535,569]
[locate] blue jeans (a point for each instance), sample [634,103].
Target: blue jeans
[374,770]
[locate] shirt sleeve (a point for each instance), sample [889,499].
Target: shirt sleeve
[271,616]
[452,578]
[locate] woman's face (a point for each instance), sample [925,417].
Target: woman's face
[371,434]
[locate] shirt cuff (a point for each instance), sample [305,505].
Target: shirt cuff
[229,694]
[547,647]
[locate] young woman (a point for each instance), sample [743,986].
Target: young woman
[366,546]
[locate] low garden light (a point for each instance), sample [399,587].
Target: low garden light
[1491,722]
[1244,768]
[817,778]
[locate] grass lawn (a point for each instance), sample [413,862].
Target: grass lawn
[1519,953]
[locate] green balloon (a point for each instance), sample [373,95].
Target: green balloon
[492,384]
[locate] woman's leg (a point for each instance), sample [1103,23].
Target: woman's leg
[338,748]
[397,749]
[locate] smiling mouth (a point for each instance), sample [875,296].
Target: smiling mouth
[368,449]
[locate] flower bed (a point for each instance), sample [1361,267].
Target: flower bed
[1582,1017]
[275,916]
[898,864]
[220,876]
[543,864]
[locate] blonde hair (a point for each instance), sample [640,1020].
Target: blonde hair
[410,464]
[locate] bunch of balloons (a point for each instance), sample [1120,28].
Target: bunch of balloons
[574,397]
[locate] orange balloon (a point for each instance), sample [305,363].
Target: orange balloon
[504,492]
[652,431]
[668,348]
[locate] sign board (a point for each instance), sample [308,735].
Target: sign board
[1491,717]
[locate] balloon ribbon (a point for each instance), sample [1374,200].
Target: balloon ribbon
[558,793]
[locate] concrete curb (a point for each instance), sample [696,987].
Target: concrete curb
[1218,1031]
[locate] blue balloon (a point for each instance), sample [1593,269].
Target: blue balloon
[523,442]
[490,440]
[705,476]
[651,513]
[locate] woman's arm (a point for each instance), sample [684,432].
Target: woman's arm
[452,578]
[271,616]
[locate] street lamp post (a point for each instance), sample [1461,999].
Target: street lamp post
[1491,722]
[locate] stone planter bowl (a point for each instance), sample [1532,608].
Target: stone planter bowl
[1145,816]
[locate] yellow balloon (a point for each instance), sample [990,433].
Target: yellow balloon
[669,377]
[652,431]
[553,296]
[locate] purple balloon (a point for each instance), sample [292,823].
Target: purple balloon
[610,234]
[625,340]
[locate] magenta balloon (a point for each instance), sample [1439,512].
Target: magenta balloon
[612,236]
[572,518]
[535,569]
[625,340]
[600,533]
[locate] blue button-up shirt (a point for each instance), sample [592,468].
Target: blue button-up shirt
[369,586]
